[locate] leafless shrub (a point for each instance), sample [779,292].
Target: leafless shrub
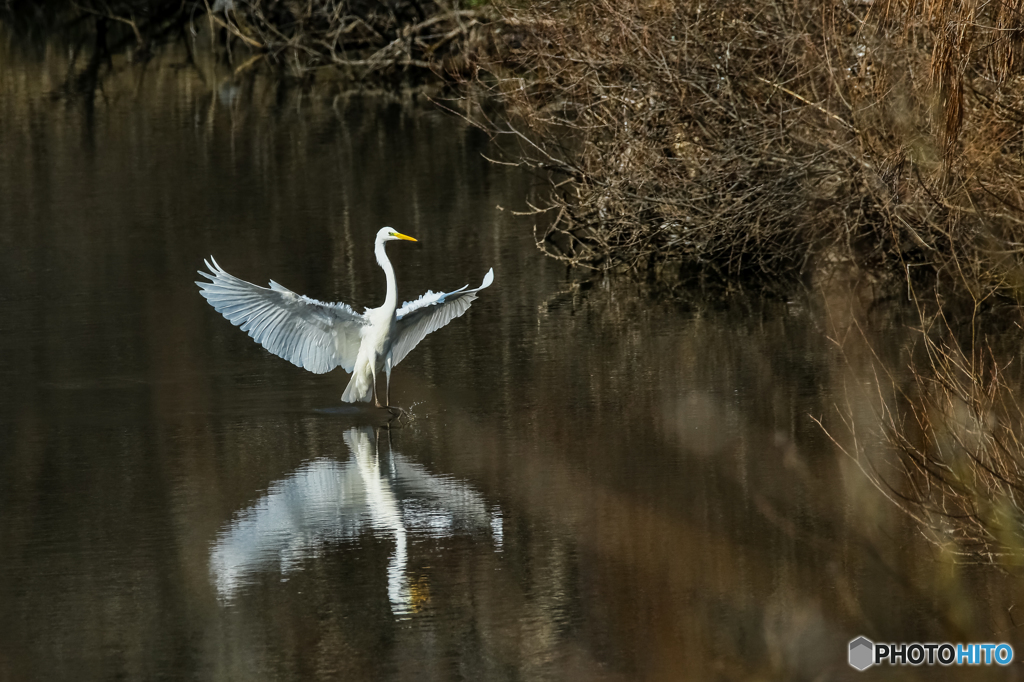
[362,37]
[763,138]
[956,428]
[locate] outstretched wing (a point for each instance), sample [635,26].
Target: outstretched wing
[428,313]
[311,334]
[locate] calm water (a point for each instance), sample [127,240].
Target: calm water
[590,484]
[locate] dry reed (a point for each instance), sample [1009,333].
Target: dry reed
[772,139]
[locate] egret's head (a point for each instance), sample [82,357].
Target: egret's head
[389,234]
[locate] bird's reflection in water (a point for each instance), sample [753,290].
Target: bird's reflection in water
[326,502]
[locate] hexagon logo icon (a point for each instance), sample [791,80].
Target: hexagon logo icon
[862,653]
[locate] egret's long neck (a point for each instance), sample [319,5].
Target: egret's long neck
[391,299]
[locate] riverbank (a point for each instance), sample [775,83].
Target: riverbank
[782,145]
[774,142]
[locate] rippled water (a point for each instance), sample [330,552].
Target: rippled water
[590,483]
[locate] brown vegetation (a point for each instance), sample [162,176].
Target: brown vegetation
[763,139]
[953,418]
[362,36]
[401,38]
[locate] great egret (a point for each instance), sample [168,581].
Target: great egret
[321,336]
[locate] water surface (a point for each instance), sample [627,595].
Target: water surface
[590,483]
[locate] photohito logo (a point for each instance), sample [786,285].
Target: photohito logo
[864,653]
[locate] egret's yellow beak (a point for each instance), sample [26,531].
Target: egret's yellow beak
[406,237]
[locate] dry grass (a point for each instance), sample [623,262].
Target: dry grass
[771,139]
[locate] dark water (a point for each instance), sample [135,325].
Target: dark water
[590,483]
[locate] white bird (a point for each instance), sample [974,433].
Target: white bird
[320,336]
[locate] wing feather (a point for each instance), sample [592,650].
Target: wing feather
[312,334]
[276,334]
[430,312]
